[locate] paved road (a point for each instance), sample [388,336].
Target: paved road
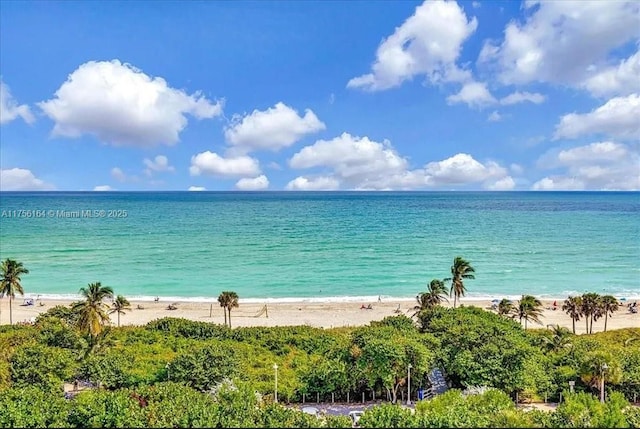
[339,409]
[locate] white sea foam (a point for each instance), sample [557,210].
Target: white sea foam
[317,300]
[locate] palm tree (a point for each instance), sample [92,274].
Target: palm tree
[223,299]
[573,307]
[599,365]
[460,270]
[10,282]
[119,306]
[590,309]
[436,294]
[92,312]
[529,308]
[228,300]
[608,305]
[505,307]
[559,340]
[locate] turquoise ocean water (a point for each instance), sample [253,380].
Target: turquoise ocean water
[323,246]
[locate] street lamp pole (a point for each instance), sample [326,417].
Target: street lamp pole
[409,384]
[275,396]
[603,368]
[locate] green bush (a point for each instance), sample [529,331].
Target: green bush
[32,407]
[583,410]
[41,366]
[388,416]
[479,348]
[205,366]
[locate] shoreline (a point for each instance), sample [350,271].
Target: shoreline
[318,299]
[315,314]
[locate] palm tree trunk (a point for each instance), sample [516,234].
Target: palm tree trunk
[10,312]
[574,325]
[455,297]
[229,309]
[606,316]
[525,323]
[586,319]
[224,310]
[591,327]
[118,319]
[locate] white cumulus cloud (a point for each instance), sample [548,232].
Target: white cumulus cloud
[118,174]
[597,166]
[159,164]
[21,179]
[321,183]
[561,41]
[103,188]
[275,128]
[463,169]
[359,163]
[494,116]
[10,109]
[558,183]
[618,117]
[623,79]
[213,164]
[521,97]
[474,94]
[197,188]
[352,158]
[427,44]
[504,184]
[253,183]
[121,105]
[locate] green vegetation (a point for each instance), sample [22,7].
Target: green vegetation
[529,308]
[435,295]
[180,373]
[120,306]
[92,312]
[460,270]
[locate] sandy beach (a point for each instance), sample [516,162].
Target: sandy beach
[324,315]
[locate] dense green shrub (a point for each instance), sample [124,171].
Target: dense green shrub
[60,312]
[32,407]
[189,329]
[583,410]
[40,366]
[205,366]
[479,348]
[55,332]
[388,416]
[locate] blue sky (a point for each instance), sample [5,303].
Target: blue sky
[311,95]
